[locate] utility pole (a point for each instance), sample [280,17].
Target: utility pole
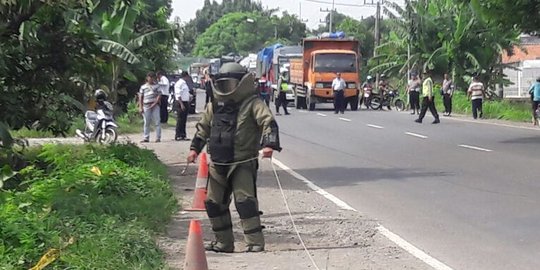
[331,11]
[377,44]
[300,14]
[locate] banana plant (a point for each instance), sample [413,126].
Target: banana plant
[118,38]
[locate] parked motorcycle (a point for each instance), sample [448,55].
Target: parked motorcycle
[99,127]
[390,99]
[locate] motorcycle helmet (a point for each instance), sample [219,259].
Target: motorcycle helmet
[369,78]
[228,78]
[100,95]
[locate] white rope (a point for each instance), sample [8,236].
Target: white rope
[292,219]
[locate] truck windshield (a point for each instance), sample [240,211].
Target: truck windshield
[335,62]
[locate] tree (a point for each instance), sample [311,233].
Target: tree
[55,53]
[523,15]
[210,13]
[444,37]
[243,33]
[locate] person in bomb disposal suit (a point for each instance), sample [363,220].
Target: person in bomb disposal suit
[235,123]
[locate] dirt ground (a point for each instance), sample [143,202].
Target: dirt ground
[335,238]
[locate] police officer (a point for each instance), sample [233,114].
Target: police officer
[282,95]
[235,124]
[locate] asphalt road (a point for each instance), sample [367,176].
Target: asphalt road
[466,193]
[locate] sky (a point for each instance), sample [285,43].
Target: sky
[311,9]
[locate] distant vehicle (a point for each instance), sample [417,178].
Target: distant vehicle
[312,75]
[272,61]
[196,71]
[173,78]
[216,63]
[99,126]
[390,99]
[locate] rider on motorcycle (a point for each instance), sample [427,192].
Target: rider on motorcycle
[384,88]
[367,87]
[101,104]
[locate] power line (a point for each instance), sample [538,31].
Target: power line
[337,4]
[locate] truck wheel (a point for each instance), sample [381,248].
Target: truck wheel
[354,103]
[375,103]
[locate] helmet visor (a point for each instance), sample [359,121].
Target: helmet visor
[226,85]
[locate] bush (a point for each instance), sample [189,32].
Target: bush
[493,109]
[110,200]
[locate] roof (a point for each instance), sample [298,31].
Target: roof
[527,52]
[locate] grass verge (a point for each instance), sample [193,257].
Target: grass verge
[493,109]
[100,206]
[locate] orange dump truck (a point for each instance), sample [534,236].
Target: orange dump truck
[312,75]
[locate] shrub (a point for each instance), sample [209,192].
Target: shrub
[110,200]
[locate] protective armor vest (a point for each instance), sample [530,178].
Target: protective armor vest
[223,132]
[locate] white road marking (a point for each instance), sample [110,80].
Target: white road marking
[343,205]
[416,135]
[301,111]
[322,114]
[345,119]
[475,148]
[396,239]
[491,123]
[374,126]
[416,252]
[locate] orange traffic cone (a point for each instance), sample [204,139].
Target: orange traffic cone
[195,253]
[200,185]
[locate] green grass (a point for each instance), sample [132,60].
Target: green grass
[496,109]
[113,216]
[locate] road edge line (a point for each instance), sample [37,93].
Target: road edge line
[343,205]
[411,249]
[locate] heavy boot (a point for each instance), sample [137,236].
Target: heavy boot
[253,235]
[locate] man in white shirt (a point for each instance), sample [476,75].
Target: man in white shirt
[164,89]
[476,93]
[182,97]
[339,85]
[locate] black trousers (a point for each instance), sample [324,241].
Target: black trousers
[414,100]
[477,108]
[209,97]
[339,101]
[427,104]
[181,119]
[163,113]
[282,102]
[447,100]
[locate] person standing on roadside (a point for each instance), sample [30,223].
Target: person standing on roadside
[208,88]
[414,93]
[182,97]
[338,85]
[236,126]
[447,93]
[149,98]
[164,89]
[428,99]
[534,90]
[476,94]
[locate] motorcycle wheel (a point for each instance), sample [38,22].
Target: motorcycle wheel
[375,103]
[110,137]
[400,105]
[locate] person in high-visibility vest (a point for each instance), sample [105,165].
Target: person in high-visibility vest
[283,87]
